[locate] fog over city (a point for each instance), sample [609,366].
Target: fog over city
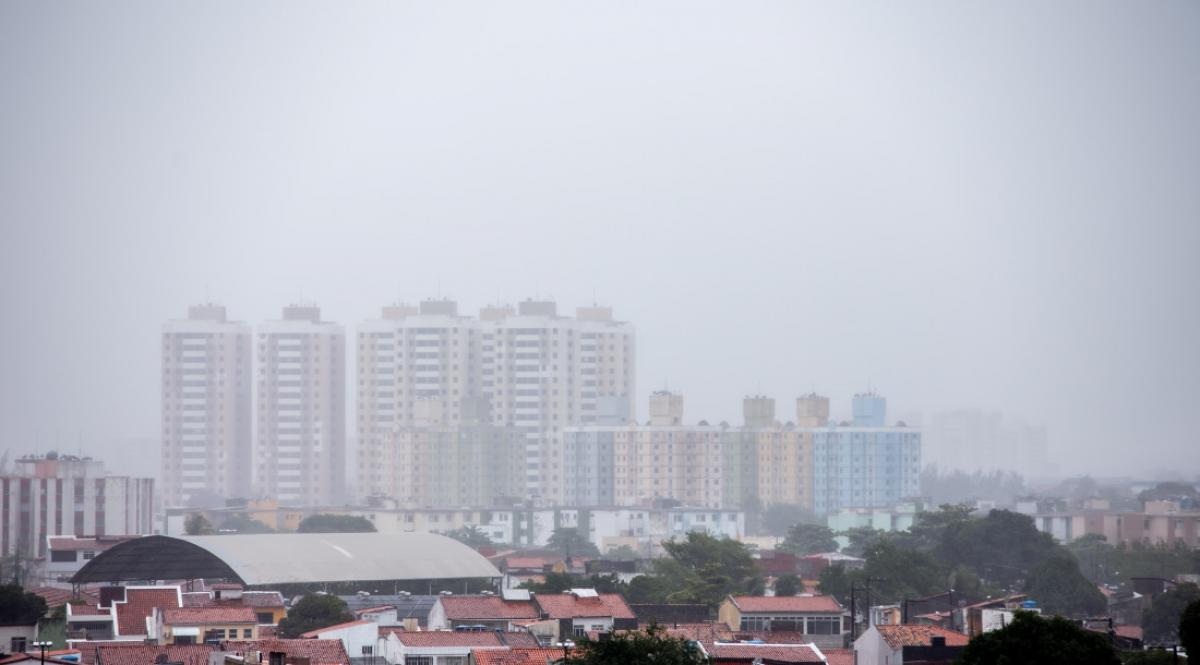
[959,206]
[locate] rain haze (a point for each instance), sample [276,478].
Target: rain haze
[959,206]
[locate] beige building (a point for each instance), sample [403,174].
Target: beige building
[206,411]
[301,444]
[704,465]
[523,368]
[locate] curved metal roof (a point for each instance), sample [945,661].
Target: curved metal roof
[282,558]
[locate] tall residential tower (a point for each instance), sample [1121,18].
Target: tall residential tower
[301,445]
[205,406]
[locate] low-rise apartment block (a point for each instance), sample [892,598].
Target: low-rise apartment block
[64,495]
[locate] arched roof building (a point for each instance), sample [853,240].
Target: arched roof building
[286,558]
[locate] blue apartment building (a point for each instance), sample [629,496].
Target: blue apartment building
[865,463]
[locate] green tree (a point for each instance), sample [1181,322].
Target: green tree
[471,536]
[900,572]
[703,569]
[552,582]
[1002,547]
[808,539]
[835,581]
[242,523]
[651,646]
[622,553]
[1189,629]
[312,612]
[18,608]
[1169,490]
[1060,588]
[787,585]
[859,539]
[1160,623]
[1033,640]
[197,525]
[780,517]
[567,541]
[331,523]
[647,589]
[1151,657]
[929,529]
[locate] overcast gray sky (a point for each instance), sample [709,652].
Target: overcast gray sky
[992,205]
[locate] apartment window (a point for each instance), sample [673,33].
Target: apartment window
[414,660]
[264,617]
[18,645]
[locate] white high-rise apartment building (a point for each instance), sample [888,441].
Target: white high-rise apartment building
[416,365]
[537,371]
[301,425]
[205,406]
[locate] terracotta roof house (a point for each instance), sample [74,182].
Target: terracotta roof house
[147,654]
[730,653]
[907,643]
[492,612]
[123,613]
[536,656]
[818,619]
[578,611]
[194,625]
[316,652]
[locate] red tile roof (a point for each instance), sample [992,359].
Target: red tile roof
[312,634]
[839,656]
[794,604]
[55,596]
[189,616]
[774,653]
[570,606]
[139,604]
[319,652]
[460,608]
[446,638]
[702,632]
[87,610]
[914,635]
[534,562]
[87,649]
[516,656]
[137,653]
[1130,632]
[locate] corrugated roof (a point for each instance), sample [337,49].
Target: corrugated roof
[282,558]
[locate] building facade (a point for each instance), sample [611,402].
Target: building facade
[529,369]
[865,464]
[713,466]
[65,495]
[301,425]
[206,406]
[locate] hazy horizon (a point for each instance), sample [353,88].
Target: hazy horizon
[991,207]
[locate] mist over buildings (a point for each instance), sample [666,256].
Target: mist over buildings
[968,209]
